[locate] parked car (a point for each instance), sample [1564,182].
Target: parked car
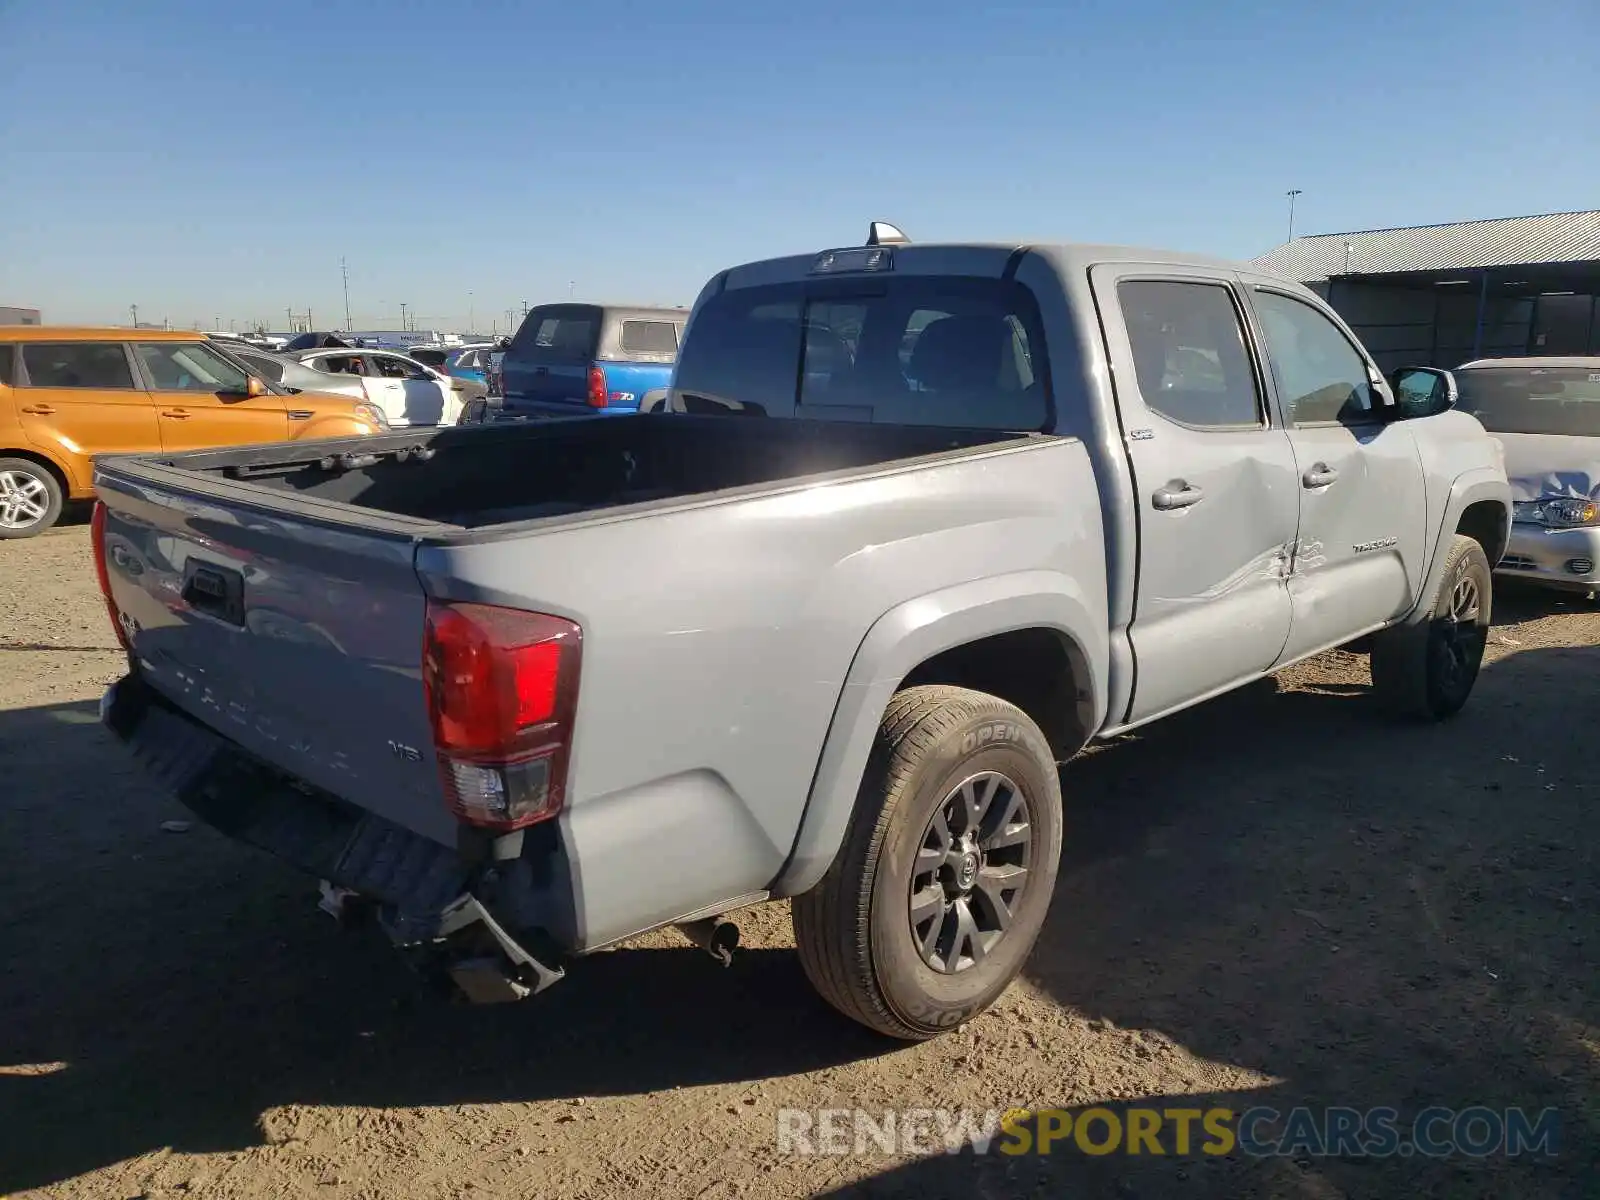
[1546,413]
[674,666]
[408,392]
[568,359]
[67,394]
[470,363]
[294,376]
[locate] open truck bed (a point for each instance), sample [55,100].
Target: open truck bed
[478,477]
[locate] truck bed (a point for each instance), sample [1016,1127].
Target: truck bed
[480,476]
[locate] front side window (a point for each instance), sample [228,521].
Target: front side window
[8,357]
[77,365]
[186,367]
[1321,377]
[1189,353]
[952,351]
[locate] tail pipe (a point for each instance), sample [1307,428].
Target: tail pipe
[717,936]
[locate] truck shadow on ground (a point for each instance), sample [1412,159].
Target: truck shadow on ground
[1279,881]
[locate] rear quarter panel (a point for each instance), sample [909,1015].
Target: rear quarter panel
[718,639]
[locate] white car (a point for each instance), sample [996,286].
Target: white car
[407,392]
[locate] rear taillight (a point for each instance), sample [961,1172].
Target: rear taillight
[502,689]
[97,535]
[597,387]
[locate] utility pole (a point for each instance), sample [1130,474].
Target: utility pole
[403,324]
[134,309]
[572,286]
[289,316]
[344,273]
[472,315]
[1291,193]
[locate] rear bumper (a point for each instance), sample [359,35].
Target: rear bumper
[466,915]
[1565,558]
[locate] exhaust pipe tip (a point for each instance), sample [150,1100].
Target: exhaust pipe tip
[717,936]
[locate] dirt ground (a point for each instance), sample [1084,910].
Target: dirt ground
[1276,899]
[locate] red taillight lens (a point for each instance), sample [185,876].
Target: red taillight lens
[597,387]
[97,536]
[502,689]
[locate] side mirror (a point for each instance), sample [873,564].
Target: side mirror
[254,388]
[1423,392]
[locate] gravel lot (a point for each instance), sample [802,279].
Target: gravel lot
[1276,899]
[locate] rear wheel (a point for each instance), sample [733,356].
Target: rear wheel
[1427,669]
[939,891]
[30,498]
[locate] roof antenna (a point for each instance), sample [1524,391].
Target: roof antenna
[881,233]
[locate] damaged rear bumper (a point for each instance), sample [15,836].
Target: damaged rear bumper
[439,906]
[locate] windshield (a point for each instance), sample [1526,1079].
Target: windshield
[914,350]
[1554,400]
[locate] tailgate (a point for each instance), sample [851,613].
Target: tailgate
[299,641]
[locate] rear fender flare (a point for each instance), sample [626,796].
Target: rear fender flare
[897,642]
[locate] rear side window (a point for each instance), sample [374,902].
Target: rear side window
[915,350]
[563,335]
[77,365]
[1188,353]
[649,337]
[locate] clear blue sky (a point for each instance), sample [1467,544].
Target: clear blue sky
[217,159]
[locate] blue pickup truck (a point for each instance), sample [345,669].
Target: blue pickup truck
[568,359]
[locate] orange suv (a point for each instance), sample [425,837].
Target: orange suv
[67,394]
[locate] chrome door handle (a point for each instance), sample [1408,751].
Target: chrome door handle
[175,414]
[1177,494]
[40,410]
[1320,475]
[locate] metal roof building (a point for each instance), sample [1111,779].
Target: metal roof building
[1438,295]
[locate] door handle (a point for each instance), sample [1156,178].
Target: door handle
[1178,493]
[175,414]
[1320,475]
[40,410]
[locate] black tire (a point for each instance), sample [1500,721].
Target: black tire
[1427,668]
[854,929]
[30,498]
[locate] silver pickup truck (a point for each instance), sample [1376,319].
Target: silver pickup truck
[916,523]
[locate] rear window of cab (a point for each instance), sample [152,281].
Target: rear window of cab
[955,351]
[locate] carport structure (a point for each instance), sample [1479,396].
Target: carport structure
[1441,295]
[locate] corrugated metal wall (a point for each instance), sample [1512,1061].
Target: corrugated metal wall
[1430,326]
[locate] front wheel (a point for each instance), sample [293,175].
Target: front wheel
[939,891]
[1427,669]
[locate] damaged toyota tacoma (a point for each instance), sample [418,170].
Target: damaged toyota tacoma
[914,524]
